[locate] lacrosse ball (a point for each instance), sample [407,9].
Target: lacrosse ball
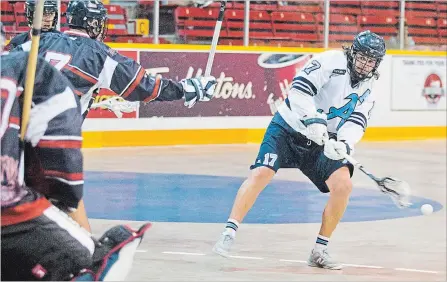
[427,209]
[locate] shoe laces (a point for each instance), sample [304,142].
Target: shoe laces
[227,239]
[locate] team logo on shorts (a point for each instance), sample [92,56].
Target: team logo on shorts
[433,89]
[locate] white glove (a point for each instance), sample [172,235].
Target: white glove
[316,125]
[335,150]
[198,89]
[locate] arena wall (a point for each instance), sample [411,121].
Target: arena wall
[411,102]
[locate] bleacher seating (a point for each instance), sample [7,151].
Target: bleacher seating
[300,26]
[298,23]
[441,8]
[342,27]
[442,28]
[8,18]
[341,7]
[421,9]
[385,26]
[20,17]
[383,8]
[302,21]
[14,19]
[196,23]
[423,30]
[117,20]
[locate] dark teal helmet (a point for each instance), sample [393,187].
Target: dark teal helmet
[90,15]
[369,45]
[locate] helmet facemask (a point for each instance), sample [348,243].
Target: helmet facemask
[364,56]
[88,15]
[50,14]
[49,20]
[364,66]
[97,28]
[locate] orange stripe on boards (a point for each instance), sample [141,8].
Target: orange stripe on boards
[163,137]
[405,133]
[237,136]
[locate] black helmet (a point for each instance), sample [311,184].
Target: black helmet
[49,6]
[90,15]
[366,44]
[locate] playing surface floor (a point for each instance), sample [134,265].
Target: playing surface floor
[187,193]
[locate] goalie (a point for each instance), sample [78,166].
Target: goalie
[89,65]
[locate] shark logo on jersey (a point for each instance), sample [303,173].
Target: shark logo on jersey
[345,112]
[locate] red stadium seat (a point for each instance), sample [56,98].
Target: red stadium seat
[117,19]
[420,9]
[7,14]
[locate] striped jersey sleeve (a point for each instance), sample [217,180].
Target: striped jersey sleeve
[58,160]
[130,80]
[305,85]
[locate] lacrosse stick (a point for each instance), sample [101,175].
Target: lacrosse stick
[398,190]
[117,105]
[216,35]
[29,83]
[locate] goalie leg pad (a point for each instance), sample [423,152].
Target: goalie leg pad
[113,256]
[115,250]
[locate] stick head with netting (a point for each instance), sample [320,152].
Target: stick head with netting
[398,190]
[117,105]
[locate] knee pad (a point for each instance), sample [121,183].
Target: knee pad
[114,252]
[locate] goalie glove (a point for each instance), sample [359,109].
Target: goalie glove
[198,89]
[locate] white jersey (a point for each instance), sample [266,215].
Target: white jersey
[324,85]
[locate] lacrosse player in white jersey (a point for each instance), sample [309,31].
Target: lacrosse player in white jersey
[324,116]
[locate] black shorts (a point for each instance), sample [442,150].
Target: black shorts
[283,147]
[48,247]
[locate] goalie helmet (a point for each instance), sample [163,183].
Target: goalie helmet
[49,8]
[90,15]
[367,47]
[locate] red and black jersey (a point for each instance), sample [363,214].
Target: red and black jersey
[90,65]
[53,166]
[21,39]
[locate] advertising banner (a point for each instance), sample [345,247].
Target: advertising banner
[418,83]
[247,84]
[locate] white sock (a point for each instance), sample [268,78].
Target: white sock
[232,226]
[321,243]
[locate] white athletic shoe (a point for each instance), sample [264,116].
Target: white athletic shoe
[322,259]
[223,246]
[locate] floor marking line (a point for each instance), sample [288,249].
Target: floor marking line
[141,251]
[362,266]
[416,270]
[299,261]
[244,257]
[184,253]
[292,260]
